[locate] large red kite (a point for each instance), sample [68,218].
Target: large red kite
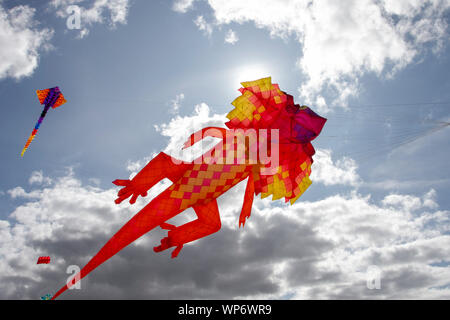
[267,141]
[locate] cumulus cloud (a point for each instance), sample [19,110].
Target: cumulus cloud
[343,171]
[341,42]
[21,41]
[182,5]
[37,177]
[176,103]
[203,25]
[231,37]
[411,203]
[111,12]
[316,249]
[19,192]
[179,129]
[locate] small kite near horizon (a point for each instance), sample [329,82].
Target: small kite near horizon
[46,297]
[43,260]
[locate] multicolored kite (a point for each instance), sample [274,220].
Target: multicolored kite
[46,297]
[267,141]
[50,98]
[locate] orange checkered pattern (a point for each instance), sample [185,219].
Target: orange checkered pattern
[204,183]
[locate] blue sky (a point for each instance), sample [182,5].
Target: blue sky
[139,76]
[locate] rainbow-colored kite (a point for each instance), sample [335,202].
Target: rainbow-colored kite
[266,124]
[50,98]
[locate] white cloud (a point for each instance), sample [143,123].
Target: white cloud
[409,203]
[311,250]
[402,243]
[429,199]
[343,41]
[64,211]
[176,103]
[182,5]
[231,37]
[325,171]
[204,26]
[179,129]
[112,12]
[21,41]
[37,177]
[19,192]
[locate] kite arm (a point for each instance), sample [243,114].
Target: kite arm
[215,132]
[161,167]
[248,201]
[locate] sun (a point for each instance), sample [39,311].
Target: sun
[249,73]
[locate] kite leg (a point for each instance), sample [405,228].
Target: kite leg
[208,222]
[159,210]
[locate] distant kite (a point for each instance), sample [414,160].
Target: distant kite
[46,297]
[278,133]
[50,98]
[43,260]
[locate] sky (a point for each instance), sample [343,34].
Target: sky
[141,76]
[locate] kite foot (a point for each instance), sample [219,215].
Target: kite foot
[242,219]
[177,251]
[166,243]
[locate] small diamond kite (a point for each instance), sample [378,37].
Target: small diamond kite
[50,98]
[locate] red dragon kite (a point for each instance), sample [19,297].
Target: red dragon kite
[267,141]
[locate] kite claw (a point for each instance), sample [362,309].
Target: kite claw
[165,244]
[243,219]
[177,251]
[121,183]
[128,189]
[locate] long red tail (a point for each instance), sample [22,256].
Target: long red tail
[159,210]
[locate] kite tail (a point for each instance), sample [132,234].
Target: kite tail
[35,130]
[159,210]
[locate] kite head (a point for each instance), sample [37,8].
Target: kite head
[298,124]
[262,105]
[52,97]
